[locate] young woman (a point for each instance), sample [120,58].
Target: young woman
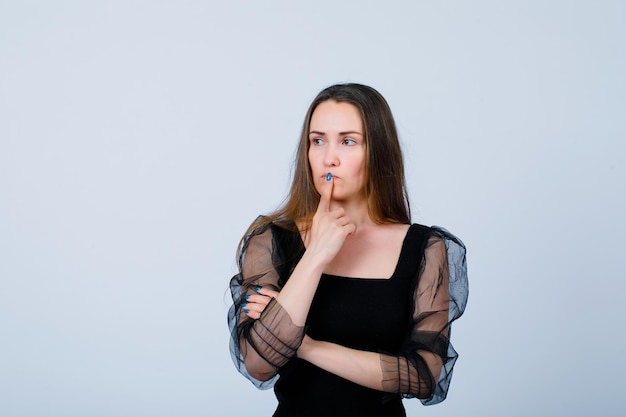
[340,303]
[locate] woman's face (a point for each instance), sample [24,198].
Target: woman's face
[337,145]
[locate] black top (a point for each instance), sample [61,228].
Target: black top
[365,314]
[398,317]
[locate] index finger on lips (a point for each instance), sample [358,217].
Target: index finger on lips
[327,191]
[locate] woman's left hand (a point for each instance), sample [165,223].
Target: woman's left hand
[257,301]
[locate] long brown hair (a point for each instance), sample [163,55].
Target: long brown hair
[388,200]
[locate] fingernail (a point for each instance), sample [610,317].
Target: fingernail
[329,176]
[246,311]
[244,304]
[257,288]
[246,297]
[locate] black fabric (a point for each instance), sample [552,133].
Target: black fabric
[404,318]
[364,314]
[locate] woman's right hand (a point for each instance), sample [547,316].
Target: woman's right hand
[329,228]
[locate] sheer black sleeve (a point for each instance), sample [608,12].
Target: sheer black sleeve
[259,348]
[423,369]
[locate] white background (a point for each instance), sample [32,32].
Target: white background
[138,139]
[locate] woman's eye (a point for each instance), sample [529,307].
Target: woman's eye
[349,142]
[317,141]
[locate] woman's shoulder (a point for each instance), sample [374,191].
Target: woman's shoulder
[437,232]
[271,230]
[437,238]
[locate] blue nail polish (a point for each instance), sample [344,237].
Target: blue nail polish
[246,311]
[257,288]
[244,304]
[329,176]
[246,297]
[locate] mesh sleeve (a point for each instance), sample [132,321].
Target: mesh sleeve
[259,348]
[423,369]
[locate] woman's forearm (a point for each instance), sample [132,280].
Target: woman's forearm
[297,294]
[371,369]
[359,366]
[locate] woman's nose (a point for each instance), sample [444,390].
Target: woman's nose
[330,158]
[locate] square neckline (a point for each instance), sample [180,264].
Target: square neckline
[404,249]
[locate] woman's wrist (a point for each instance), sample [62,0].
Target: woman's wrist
[314,261]
[306,348]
